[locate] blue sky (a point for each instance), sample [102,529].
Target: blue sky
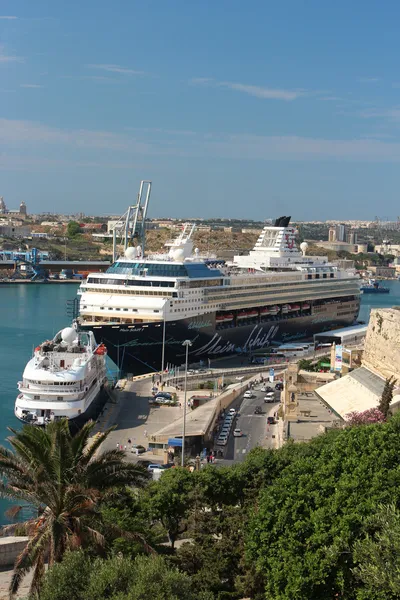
[242,109]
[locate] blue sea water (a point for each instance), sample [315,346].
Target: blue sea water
[31,313]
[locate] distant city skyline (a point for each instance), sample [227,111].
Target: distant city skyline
[248,110]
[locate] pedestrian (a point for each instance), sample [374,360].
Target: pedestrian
[125,447]
[129,441]
[117,445]
[208,458]
[121,447]
[145,433]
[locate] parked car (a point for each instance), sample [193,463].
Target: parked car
[221,441]
[165,395]
[248,394]
[258,410]
[267,388]
[279,386]
[237,433]
[271,420]
[138,449]
[153,466]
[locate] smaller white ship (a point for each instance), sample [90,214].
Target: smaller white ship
[63,380]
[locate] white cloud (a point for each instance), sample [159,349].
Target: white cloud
[9,18]
[201,80]
[30,85]
[266,93]
[16,132]
[263,92]
[116,69]
[8,58]
[392,114]
[368,79]
[130,146]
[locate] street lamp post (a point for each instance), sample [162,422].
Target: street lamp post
[186,343]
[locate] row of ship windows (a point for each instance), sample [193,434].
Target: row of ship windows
[270,294]
[48,383]
[124,309]
[160,294]
[267,284]
[59,398]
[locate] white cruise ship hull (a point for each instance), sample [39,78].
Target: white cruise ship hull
[77,412]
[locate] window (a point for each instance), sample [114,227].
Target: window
[60,398]
[36,397]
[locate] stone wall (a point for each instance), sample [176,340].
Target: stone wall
[10,548]
[382,344]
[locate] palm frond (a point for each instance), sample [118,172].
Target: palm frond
[91,450]
[27,558]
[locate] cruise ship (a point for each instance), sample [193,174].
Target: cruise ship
[143,308]
[64,379]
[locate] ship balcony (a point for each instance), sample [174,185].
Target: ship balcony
[29,388]
[30,396]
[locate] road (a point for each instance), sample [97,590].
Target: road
[254,427]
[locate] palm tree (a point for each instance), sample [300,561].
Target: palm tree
[64,478]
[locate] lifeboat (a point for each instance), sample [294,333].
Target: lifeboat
[274,310]
[295,307]
[101,350]
[305,306]
[220,318]
[264,312]
[285,308]
[228,318]
[253,313]
[243,315]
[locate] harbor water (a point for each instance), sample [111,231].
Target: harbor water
[32,313]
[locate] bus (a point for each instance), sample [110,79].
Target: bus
[292,350]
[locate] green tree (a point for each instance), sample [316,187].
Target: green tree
[64,479]
[387,396]
[73,229]
[66,580]
[309,517]
[79,577]
[168,500]
[378,556]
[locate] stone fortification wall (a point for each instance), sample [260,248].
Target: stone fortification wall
[10,548]
[382,344]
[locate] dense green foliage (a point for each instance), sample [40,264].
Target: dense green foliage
[64,481]
[146,577]
[73,229]
[311,515]
[311,521]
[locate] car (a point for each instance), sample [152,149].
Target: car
[248,394]
[138,449]
[266,389]
[271,420]
[164,395]
[237,433]
[270,397]
[221,441]
[153,466]
[279,386]
[225,430]
[258,410]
